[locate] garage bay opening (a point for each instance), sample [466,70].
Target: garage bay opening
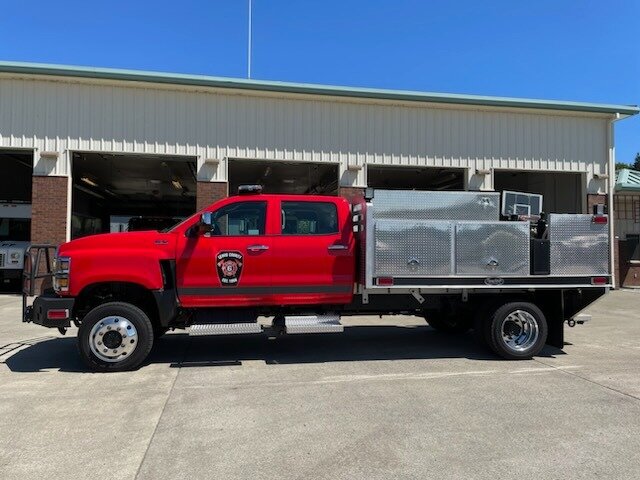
[119,193]
[284,177]
[15,214]
[415,178]
[561,192]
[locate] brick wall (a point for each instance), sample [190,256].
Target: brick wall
[351,192]
[49,210]
[628,274]
[209,192]
[595,199]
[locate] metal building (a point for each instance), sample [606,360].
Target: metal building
[627,227]
[106,145]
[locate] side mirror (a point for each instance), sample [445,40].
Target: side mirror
[206,222]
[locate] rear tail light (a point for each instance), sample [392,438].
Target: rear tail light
[384,281]
[599,280]
[599,219]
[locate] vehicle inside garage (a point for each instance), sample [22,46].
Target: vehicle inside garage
[562,192]
[415,178]
[284,177]
[15,214]
[115,193]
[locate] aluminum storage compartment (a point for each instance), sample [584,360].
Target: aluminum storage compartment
[424,205]
[578,245]
[407,248]
[492,248]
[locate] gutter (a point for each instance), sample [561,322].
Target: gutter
[307,89]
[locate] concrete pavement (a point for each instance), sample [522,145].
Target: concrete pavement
[392,399]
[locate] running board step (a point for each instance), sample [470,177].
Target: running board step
[201,329]
[312,324]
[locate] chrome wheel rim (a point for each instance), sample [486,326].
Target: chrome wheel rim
[113,339]
[519,330]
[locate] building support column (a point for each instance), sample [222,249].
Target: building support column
[49,207]
[209,192]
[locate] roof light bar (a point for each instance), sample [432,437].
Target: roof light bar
[249,189]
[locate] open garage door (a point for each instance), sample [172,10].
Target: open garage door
[562,192]
[415,178]
[15,214]
[284,177]
[114,193]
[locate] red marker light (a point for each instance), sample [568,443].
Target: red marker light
[384,281]
[599,280]
[61,314]
[599,219]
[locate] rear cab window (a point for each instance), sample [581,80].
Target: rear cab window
[309,218]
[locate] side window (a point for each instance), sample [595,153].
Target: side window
[240,218]
[309,218]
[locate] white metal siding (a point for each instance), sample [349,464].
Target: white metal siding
[64,116]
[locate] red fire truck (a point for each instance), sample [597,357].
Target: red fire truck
[454,258]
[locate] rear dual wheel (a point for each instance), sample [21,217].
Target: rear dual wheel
[515,330]
[114,337]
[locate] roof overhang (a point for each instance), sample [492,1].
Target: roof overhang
[39,69]
[627,180]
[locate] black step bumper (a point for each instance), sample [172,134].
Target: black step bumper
[51,312]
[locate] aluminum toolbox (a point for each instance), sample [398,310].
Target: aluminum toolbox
[438,248]
[421,205]
[492,248]
[405,248]
[578,245]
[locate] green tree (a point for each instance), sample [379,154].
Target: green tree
[636,162]
[622,166]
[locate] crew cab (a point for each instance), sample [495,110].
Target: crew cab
[307,260]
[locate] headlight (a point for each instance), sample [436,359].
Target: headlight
[61,267]
[15,256]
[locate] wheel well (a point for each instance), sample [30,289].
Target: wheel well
[99,293]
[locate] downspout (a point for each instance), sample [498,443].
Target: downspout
[611,149]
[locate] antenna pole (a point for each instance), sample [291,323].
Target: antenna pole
[249,44]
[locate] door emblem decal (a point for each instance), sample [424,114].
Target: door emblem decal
[229,266]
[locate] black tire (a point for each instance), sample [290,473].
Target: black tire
[135,318]
[448,323]
[498,321]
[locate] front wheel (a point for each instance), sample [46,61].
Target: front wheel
[114,337]
[516,330]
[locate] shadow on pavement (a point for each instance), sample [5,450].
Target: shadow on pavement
[355,344]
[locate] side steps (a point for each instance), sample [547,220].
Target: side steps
[289,324]
[201,329]
[294,324]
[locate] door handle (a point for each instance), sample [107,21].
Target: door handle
[257,248]
[337,247]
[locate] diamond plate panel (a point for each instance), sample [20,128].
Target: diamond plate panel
[313,324]
[412,248]
[496,248]
[200,329]
[578,246]
[417,205]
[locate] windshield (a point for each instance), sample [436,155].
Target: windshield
[15,229]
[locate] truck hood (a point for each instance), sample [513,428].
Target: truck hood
[151,240]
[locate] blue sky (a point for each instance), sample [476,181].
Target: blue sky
[583,50]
